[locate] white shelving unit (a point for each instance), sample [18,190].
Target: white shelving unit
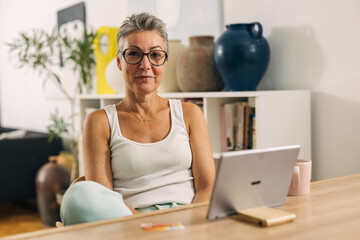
[282,117]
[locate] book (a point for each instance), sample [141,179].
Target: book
[254,132]
[239,125]
[248,119]
[229,126]
[223,129]
[248,133]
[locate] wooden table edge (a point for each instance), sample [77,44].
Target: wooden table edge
[335,179]
[40,233]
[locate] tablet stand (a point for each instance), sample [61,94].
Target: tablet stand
[265,216]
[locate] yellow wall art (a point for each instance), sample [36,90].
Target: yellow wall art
[109,77]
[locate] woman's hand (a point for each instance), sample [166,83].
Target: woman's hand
[203,166]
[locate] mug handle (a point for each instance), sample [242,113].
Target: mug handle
[296,177]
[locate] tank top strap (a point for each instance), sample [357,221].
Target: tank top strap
[111,114]
[177,114]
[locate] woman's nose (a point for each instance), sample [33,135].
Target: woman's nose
[145,64]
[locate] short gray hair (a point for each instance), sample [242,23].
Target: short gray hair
[141,22]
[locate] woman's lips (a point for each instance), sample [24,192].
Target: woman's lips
[144,78]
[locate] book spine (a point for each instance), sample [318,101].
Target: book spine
[245,127]
[249,112]
[250,127]
[239,125]
[223,129]
[229,126]
[254,132]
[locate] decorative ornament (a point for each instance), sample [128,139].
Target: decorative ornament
[109,77]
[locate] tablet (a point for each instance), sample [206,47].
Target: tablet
[252,178]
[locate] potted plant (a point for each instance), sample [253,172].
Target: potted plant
[40,50]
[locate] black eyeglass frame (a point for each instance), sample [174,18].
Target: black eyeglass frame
[147,55]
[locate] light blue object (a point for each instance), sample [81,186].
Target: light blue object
[89,201]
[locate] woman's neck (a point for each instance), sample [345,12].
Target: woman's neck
[142,104]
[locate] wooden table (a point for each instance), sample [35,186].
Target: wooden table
[331,211]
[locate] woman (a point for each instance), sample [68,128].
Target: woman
[145,152]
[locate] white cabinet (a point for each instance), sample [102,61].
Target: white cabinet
[282,117]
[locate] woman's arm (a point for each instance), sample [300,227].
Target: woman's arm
[96,135]
[203,166]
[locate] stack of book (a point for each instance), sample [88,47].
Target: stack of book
[238,126]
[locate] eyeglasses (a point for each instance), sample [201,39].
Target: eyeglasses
[155,57]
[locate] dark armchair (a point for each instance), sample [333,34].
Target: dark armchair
[20,159]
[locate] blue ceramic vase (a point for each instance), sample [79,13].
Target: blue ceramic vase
[241,56]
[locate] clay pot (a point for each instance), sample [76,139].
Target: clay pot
[52,180]
[66,159]
[169,82]
[195,69]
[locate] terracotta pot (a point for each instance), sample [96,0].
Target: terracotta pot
[52,180]
[195,69]
[169,82]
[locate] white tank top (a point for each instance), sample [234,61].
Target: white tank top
[152,173]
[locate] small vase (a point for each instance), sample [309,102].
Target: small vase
[52,180]
[66,159]
[195,68]
[169,83]
[241,56]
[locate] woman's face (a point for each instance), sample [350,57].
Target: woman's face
[142,78]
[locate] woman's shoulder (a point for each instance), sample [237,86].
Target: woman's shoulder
[97,119]
[191,111]
[190,107]
[97,114]
[96,130]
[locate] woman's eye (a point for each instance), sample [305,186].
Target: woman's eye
[156,54]
[134,53]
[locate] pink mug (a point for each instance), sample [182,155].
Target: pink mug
[300,182]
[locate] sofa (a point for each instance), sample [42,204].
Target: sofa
[20,159]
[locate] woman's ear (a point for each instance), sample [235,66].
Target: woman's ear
[118,62]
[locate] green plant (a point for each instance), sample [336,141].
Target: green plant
[58,126]
[40,50]
[81,54]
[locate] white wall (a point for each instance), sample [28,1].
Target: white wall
[315,45]
[25,102]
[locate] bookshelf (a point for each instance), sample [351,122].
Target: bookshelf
[282,117]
